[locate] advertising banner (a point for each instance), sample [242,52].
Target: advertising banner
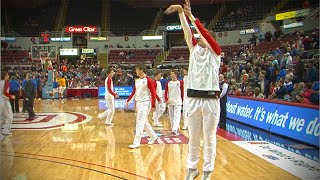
[81,29]
[295,122]
[122,91]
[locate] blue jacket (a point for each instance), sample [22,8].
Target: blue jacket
[14,85]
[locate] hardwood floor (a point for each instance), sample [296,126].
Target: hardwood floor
[95,151]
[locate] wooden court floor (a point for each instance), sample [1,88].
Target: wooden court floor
[95,151]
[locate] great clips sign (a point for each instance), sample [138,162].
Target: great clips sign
[81,29]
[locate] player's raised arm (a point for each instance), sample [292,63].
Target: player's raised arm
[191,41]
[208,40]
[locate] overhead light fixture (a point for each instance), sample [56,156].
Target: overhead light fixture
[151,38]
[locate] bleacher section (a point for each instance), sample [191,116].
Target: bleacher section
[15,57]
[204,12]
[84,13]
[298,4]
[266,46]
[180,55]
[29,22]
[133,56]
[237,13]
[126,21]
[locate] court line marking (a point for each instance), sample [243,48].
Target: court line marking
[63,163]
[54,157]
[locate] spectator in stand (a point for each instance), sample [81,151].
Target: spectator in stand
[233,87]
[244,76]
[311,74]
[64,69]
[315,86]
[289,59]
[130,80]
[229,75]
[306,4]
[307,43]
[289,84]
[261,36]
[224,67]
[257,93]
[289,74]
[298,88]
[295,92]
[299,70]
[308,91]
[303,54]
[282,73]
[253,40]
[247,91]
[281,92]
[273,88]
[315,39]
[264,85]
[302,100]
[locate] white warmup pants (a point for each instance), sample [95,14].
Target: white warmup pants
[143,109]
[202,114]
[6,116]
[160,108]
[185,105]
[109,113]
[175,116]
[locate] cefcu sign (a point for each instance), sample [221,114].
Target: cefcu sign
[176,27]
[81,29]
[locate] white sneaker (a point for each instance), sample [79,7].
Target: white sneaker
[151,141]
[184,127]
[192,174]
[133,146]
[175,133]
[206,175]
[101,116]
[109,124]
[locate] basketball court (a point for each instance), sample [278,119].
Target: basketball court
[68,141]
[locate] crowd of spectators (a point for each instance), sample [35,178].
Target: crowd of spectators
[287,73]
[78,73]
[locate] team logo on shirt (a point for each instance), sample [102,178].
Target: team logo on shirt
[47,121]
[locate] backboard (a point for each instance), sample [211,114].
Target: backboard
[44,51]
